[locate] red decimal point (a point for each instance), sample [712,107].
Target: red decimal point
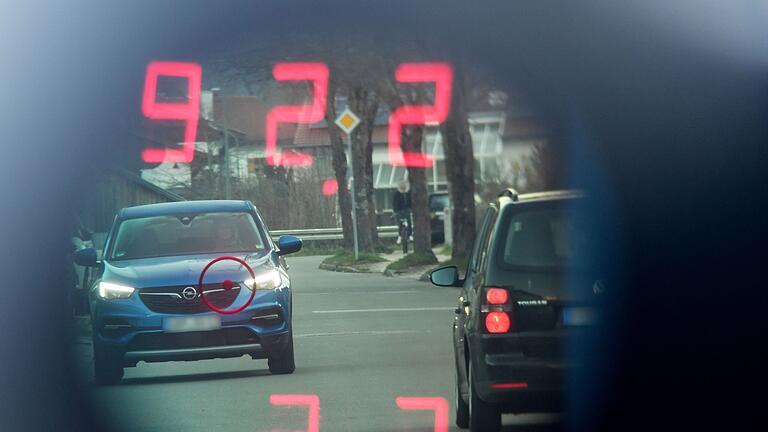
[311,401]
[318,74]
[189,112]
[436,404]
[330,187]
[442,75]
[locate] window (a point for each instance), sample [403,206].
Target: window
[253,166]
[186,234]
[480,241]
[544,238]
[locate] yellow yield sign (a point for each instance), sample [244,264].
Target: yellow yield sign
[347,121]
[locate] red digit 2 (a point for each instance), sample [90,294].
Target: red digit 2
[442,75]
[318,74]
[189,112]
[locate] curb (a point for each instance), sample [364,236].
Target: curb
[341,268]
[424,277]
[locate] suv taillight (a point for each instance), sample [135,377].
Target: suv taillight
[498,311]
[497,322]
[496,296]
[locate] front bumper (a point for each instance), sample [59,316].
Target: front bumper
[128,331]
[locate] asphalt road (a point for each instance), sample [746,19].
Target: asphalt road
[360,341]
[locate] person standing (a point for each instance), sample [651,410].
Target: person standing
[401,206]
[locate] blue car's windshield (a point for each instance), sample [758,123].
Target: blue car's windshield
[186,234]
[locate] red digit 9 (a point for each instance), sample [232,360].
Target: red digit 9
[318,74]
[442,75]
[189,112]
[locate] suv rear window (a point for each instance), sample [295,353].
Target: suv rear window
[547,238]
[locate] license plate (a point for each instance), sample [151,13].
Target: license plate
[193,323]
[578,316]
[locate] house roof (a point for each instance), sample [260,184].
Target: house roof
[136,179]
[248,115]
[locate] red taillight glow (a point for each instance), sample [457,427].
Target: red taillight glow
[497,322]
[520,385]
[496,296]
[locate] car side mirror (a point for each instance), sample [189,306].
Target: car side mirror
[288,244]
[86,257]
[445,276]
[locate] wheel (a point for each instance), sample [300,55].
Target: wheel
[107,366]
[461,407]
[483,417]
[405,242]
[282,363]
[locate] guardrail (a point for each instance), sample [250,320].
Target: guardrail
[389,231]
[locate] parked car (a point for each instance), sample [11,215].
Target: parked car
[438,201]
[515,312]
[146,300]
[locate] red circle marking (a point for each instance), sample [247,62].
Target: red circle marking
[200,285]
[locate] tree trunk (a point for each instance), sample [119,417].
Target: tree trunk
[362,152]
[422,230]
[339,162]
[460,171]
[370,118]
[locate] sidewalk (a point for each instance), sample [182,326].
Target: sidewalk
[417,273]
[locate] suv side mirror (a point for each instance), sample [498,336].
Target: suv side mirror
[288,244]
[86,257]
[445,276]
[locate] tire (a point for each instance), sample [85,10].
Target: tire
[107,367]
[483,417]
[282,363]
[461,408]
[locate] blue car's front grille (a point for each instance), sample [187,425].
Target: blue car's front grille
[171,299]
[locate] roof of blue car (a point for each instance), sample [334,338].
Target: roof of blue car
[183,207]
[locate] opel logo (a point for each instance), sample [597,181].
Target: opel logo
[189,293]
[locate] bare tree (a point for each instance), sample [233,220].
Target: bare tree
[460,169]
[339,161]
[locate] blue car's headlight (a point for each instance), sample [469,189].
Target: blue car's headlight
[111,291]
[269,280]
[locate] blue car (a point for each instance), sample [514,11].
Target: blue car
[149,303]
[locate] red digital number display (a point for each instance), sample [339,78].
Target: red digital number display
[188,112]
[318,74]
[442,75]
[436,404]
[310,401]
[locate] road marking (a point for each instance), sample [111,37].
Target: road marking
[367,333]
[384,310]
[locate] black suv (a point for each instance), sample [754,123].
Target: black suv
[529,283]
